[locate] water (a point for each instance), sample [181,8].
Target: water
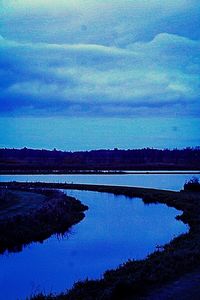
[115,229]
[173,182]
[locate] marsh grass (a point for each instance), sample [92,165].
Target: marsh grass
[34,215]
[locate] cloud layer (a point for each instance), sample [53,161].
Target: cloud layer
[101,58]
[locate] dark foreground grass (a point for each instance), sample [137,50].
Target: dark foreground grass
[31,215]
[135,278]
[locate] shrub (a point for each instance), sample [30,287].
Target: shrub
[192,185]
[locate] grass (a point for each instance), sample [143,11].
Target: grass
[28,215]
[16,202]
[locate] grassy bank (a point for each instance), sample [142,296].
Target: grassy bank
[28,215]
[136,278]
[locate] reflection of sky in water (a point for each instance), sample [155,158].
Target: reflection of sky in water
[115,229]
[161,181]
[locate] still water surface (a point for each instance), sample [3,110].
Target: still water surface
[115,229]
[173,182]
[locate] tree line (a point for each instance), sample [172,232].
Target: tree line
[116,159]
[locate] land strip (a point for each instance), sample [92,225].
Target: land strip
[28,215]
[97,172]
[32,161]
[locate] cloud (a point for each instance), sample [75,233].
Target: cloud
[98,22]
[148,77]
[100,57]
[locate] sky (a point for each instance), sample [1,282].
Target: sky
[82,74]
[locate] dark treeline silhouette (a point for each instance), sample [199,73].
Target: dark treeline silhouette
[29,160]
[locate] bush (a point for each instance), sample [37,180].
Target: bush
[192,185]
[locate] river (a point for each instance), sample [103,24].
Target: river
[115,229]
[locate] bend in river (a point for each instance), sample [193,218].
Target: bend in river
[115,229]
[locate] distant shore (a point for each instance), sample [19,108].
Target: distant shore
[100,172]
[136,278]
[41,161]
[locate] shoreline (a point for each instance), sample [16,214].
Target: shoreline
[33,215]
[102,172]
[136,278]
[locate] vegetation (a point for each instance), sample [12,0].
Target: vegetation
[23,221]
[136,278]
[192,185]
[37,161]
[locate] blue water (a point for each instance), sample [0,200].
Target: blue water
[173,182]
[115,229]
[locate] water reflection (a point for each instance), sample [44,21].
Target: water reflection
[115,229]
[160,181]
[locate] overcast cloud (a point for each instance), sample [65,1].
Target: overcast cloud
[110,58]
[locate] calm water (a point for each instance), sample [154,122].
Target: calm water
[115,229]
[161,181]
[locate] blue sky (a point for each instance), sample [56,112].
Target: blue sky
[125,71]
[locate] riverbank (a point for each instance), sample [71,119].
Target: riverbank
[135,279]
[32,215]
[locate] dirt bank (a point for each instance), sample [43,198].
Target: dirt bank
[28,215]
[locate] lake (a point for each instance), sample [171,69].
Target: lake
[115,229]
[173,182]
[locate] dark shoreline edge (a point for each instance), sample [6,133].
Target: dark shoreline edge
[54,215]
[136,278]
[101,172]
